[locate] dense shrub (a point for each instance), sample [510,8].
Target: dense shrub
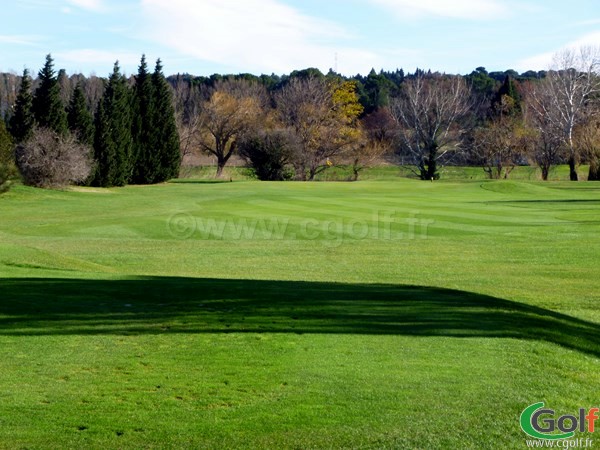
[269,154]
[48,159]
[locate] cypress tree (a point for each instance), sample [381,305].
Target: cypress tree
[165,134]
[22,122]
[146,162]
[48,108]
[81,122]
[507,91]
[7,158]
[104,152]
[113,142]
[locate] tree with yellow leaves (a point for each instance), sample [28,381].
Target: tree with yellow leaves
[322,114]
[234,108]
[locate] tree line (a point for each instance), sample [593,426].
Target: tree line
[57,138]
[299,125]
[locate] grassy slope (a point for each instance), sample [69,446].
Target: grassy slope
[115,332]
[392,172]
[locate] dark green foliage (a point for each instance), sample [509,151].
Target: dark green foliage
[113,142]
[81,122]
[136,136]
[48,109]
[165,137]
[594,172]
[376,91]
[7,166]
[156,139]
[306,74]
[507,101]
[22,121]
[481,82]
[269,154]
[532,74]
[4,183]
[146,160]
[104,151]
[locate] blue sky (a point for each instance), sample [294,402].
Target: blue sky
[264,36]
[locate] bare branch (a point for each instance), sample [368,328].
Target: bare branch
[428,113]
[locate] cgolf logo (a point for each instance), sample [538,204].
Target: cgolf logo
[540,423]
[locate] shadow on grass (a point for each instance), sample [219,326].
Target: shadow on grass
[189,305]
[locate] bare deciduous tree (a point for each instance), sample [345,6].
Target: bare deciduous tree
[547,148]
[321,116]
[48,159]
[563,96]
[93,88]
[376,141]
[587,138]
[502,145]
[66,86]
[187,100]
[9,88]
[232,110]
[428,112]
[505,139]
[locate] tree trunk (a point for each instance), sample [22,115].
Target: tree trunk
[545,172]
[355,170]
[220,166]
[594,174]
[431,165]
[432,171]
[498,170]
[573,169]
[300,172]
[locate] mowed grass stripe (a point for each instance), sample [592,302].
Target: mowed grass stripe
[116,333]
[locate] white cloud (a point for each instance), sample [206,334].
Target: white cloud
[252,35]
[17,39]
[588,22]
[543,61]
[91,5]
[592,38]
[35,4]
[456,9]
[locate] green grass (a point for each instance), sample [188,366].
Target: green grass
[387,173]
[389,313]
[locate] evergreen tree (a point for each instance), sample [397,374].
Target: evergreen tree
[7,158]
[104,151]
[81,122]
[48,108]
[113,141]
[482,83]
[376,92]
[146,160]
[165,136]
[22,122]
[507,100]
